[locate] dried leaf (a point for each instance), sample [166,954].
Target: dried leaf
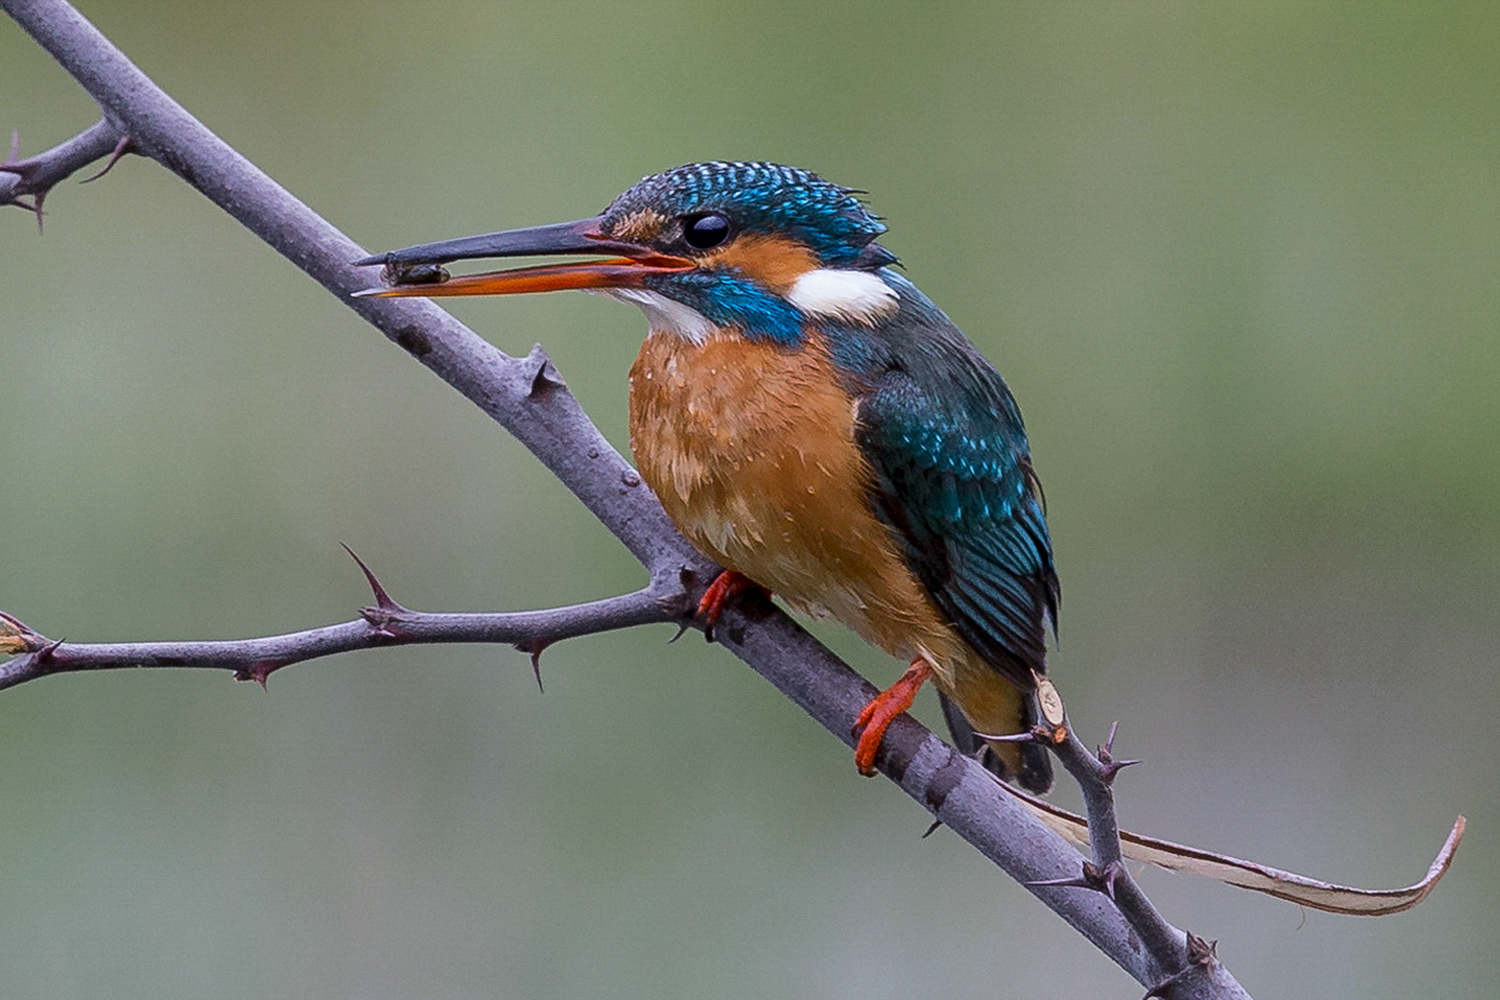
[1315,893]
[16,638]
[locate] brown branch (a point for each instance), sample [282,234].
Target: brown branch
[529,398]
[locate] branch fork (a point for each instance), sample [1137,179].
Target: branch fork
[34,177]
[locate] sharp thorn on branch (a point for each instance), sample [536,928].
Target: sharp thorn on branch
[49,652]
[259,672]
[1092,877]
[1114,767]
[383,600]
[121,148]
[1161,988]
[936,825]
[1201,952]
[34,206]
[546,377]
[1071,882]
[534,648]
[682,628]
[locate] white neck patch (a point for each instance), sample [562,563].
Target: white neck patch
[665,315]
[852,296]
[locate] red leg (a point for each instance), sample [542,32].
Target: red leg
[726,587]
[882,710]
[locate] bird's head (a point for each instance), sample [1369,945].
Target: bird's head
[758,248]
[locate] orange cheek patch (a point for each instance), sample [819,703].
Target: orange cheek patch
[773,261]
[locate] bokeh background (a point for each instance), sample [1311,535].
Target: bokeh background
[1238,261]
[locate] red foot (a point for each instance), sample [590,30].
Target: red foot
[726,587]
[882,710]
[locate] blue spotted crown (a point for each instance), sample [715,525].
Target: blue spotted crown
[762,197]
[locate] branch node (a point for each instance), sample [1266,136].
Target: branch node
[1093,878]
[1202,956]
[259,671]
[47,655]
[546,378]
[1113,768]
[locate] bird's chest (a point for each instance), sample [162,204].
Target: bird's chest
[750,447]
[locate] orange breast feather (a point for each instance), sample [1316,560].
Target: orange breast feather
[750,447]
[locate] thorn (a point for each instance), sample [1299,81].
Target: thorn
[1110,873]
[535,648]
[49,651]
[382,600]
[936,825]
[121,148]
[546,378]
[1201,955]
[1073,882]
[1161,988]
[34,206]
[1114,767]
[1200,951]
[259,672]
[1093,878]
[682,627]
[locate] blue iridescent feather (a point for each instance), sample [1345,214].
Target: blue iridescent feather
[954,478]
[763,197]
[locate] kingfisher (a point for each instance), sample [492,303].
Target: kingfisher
[818,427]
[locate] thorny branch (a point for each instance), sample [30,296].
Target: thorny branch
[35,176]
[528,397]
[384,623]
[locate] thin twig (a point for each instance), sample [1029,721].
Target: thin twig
[1095,776]
[256,659]
[36,175]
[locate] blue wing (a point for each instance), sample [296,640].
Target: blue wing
[954,480]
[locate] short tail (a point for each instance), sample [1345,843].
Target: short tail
[1026,764]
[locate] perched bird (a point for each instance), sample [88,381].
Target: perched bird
[813,423]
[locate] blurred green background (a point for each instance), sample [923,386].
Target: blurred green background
[1238,261]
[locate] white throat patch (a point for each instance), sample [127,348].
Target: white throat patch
[852,296]
[665,315]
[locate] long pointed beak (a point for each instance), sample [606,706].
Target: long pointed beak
[416,271]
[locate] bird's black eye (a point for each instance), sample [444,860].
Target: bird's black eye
[705,231]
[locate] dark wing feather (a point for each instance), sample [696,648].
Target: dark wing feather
[954,480]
